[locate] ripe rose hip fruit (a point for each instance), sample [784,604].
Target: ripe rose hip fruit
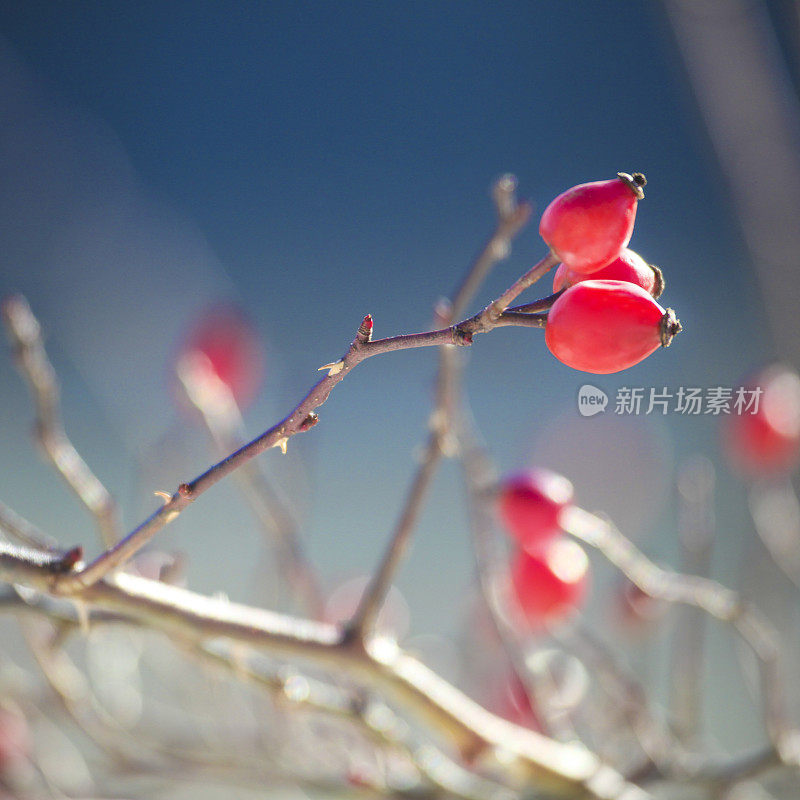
[768,441]
[628,266]
[607,326]
[588,225]
[232,348]
[550,582]
[530,505]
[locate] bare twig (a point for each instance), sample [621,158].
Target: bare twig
[445,711]
[24,532]
[712,598]
[300,419]
[217,405]
[511,218]
[26,338]
[776,513]
[696,536]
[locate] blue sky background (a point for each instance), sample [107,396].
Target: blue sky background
[318,161]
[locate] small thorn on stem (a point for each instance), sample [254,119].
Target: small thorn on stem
[334,367]
[165,496]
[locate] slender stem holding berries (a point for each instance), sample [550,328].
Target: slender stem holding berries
[300,419]
[511,218]
[492,312]
[538,305]
[521,320]
[26,338]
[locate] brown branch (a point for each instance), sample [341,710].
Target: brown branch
[300,419]
[26,338]
[477,735]
[511,218]
[222,418]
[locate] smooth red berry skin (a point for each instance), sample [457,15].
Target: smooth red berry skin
[530,505]
[629,266]
[550,583]
[607,326]
[767,442]
[227,338]
[588,225]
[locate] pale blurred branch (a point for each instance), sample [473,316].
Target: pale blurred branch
[26,339]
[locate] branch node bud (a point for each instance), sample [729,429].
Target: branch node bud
[185,491]
[461,337]
[70,559]
[309,422]
[365,329]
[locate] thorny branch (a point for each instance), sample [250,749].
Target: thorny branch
[477,736]
[300,419]
[494,753]
[511,218]
[217,405]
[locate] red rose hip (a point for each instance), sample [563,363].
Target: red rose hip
[628,266]
[588,225]
[607,326]
[530,504]
[233,352]
[550,583]
[764,438]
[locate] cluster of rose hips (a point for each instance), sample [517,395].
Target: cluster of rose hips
[549,572]
[606,318]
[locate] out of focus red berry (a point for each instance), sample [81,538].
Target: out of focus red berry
[550,583]
[232,349]
[762,434]
[530,504]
